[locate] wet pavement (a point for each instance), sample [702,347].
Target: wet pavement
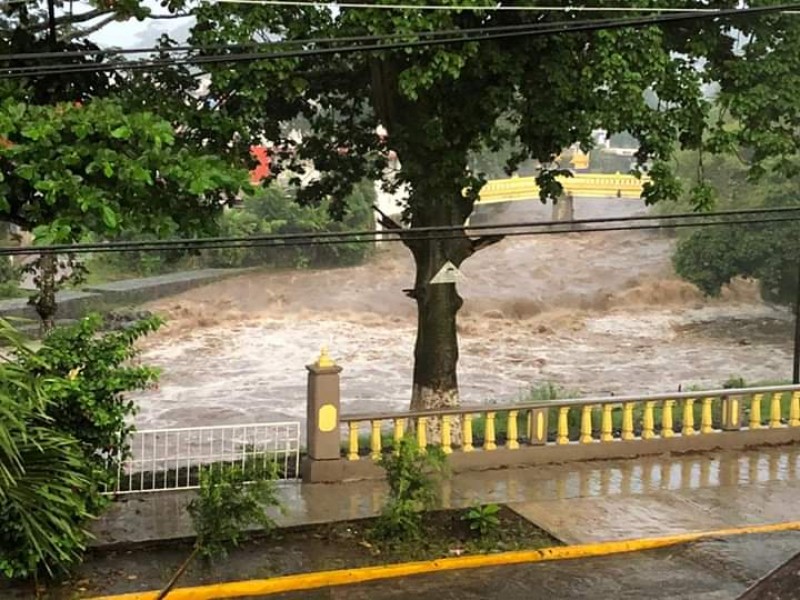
[709,570]
[783,582]
[598,519]
[578,502]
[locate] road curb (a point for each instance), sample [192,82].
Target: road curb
[309,581]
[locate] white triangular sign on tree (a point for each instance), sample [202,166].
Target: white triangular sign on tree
[449,273]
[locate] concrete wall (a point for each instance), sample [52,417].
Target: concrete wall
[526,456]
[75,304]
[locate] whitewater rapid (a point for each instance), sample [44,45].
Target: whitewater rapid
[595,313]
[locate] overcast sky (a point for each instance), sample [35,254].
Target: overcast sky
[134,33]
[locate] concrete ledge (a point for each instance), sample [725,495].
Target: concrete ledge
[365,468]
[134,291]
[328,471]
[76,304]
[71,305]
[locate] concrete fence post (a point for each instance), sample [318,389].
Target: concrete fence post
[731,413]
[323,438]
[537,426]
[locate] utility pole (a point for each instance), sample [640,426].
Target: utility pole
[796,369]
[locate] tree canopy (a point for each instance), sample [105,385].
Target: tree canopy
[79,160]
[440,104]
[69,171]
[712,257]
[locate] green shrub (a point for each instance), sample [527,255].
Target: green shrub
[413,476]
[110,266]
[231,499]
[45,480]
[45,496]
[227,504]
[546,391]
[86,375]
[10,276]
[483,520]
[734,383]
[63,415]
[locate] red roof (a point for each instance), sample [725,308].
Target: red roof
[261,171]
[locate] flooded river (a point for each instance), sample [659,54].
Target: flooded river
[596,313]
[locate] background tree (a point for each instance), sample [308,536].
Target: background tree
[69,172]
[441,104]
[712,257]
[78,160]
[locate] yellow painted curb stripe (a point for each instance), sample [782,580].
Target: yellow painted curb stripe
[308,581]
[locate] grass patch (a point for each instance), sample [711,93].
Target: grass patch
[11,290]
[448,533]
[544,392]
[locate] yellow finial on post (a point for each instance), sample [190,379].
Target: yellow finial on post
[325,361]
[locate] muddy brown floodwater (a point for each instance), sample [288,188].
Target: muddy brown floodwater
[596,313]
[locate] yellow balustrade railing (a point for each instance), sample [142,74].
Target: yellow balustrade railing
[581,184]
[587,421]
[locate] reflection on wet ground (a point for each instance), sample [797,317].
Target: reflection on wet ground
[578,501]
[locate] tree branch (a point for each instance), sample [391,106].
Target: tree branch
[90,30]
[51,23]
[386,221]
[169,16]
[485,241]
[73,19]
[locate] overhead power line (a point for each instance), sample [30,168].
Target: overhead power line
[633,223]
[749,212]
[485,35]
[103,52]
[564,228]
[472,8]
[451,8]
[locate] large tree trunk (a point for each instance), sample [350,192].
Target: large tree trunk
[435,382]
[436,349]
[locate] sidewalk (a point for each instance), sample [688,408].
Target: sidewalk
[578,502]
[710,570]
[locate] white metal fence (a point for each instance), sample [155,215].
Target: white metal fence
[171,459]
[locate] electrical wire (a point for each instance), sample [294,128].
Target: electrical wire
[472,8]
[328,40]
[578,26]
[437,7]
[405,239]
[411,235]
[132,244]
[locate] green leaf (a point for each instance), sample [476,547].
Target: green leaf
[123,132]
[109,216]
[44,235]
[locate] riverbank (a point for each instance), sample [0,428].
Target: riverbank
[74,304]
